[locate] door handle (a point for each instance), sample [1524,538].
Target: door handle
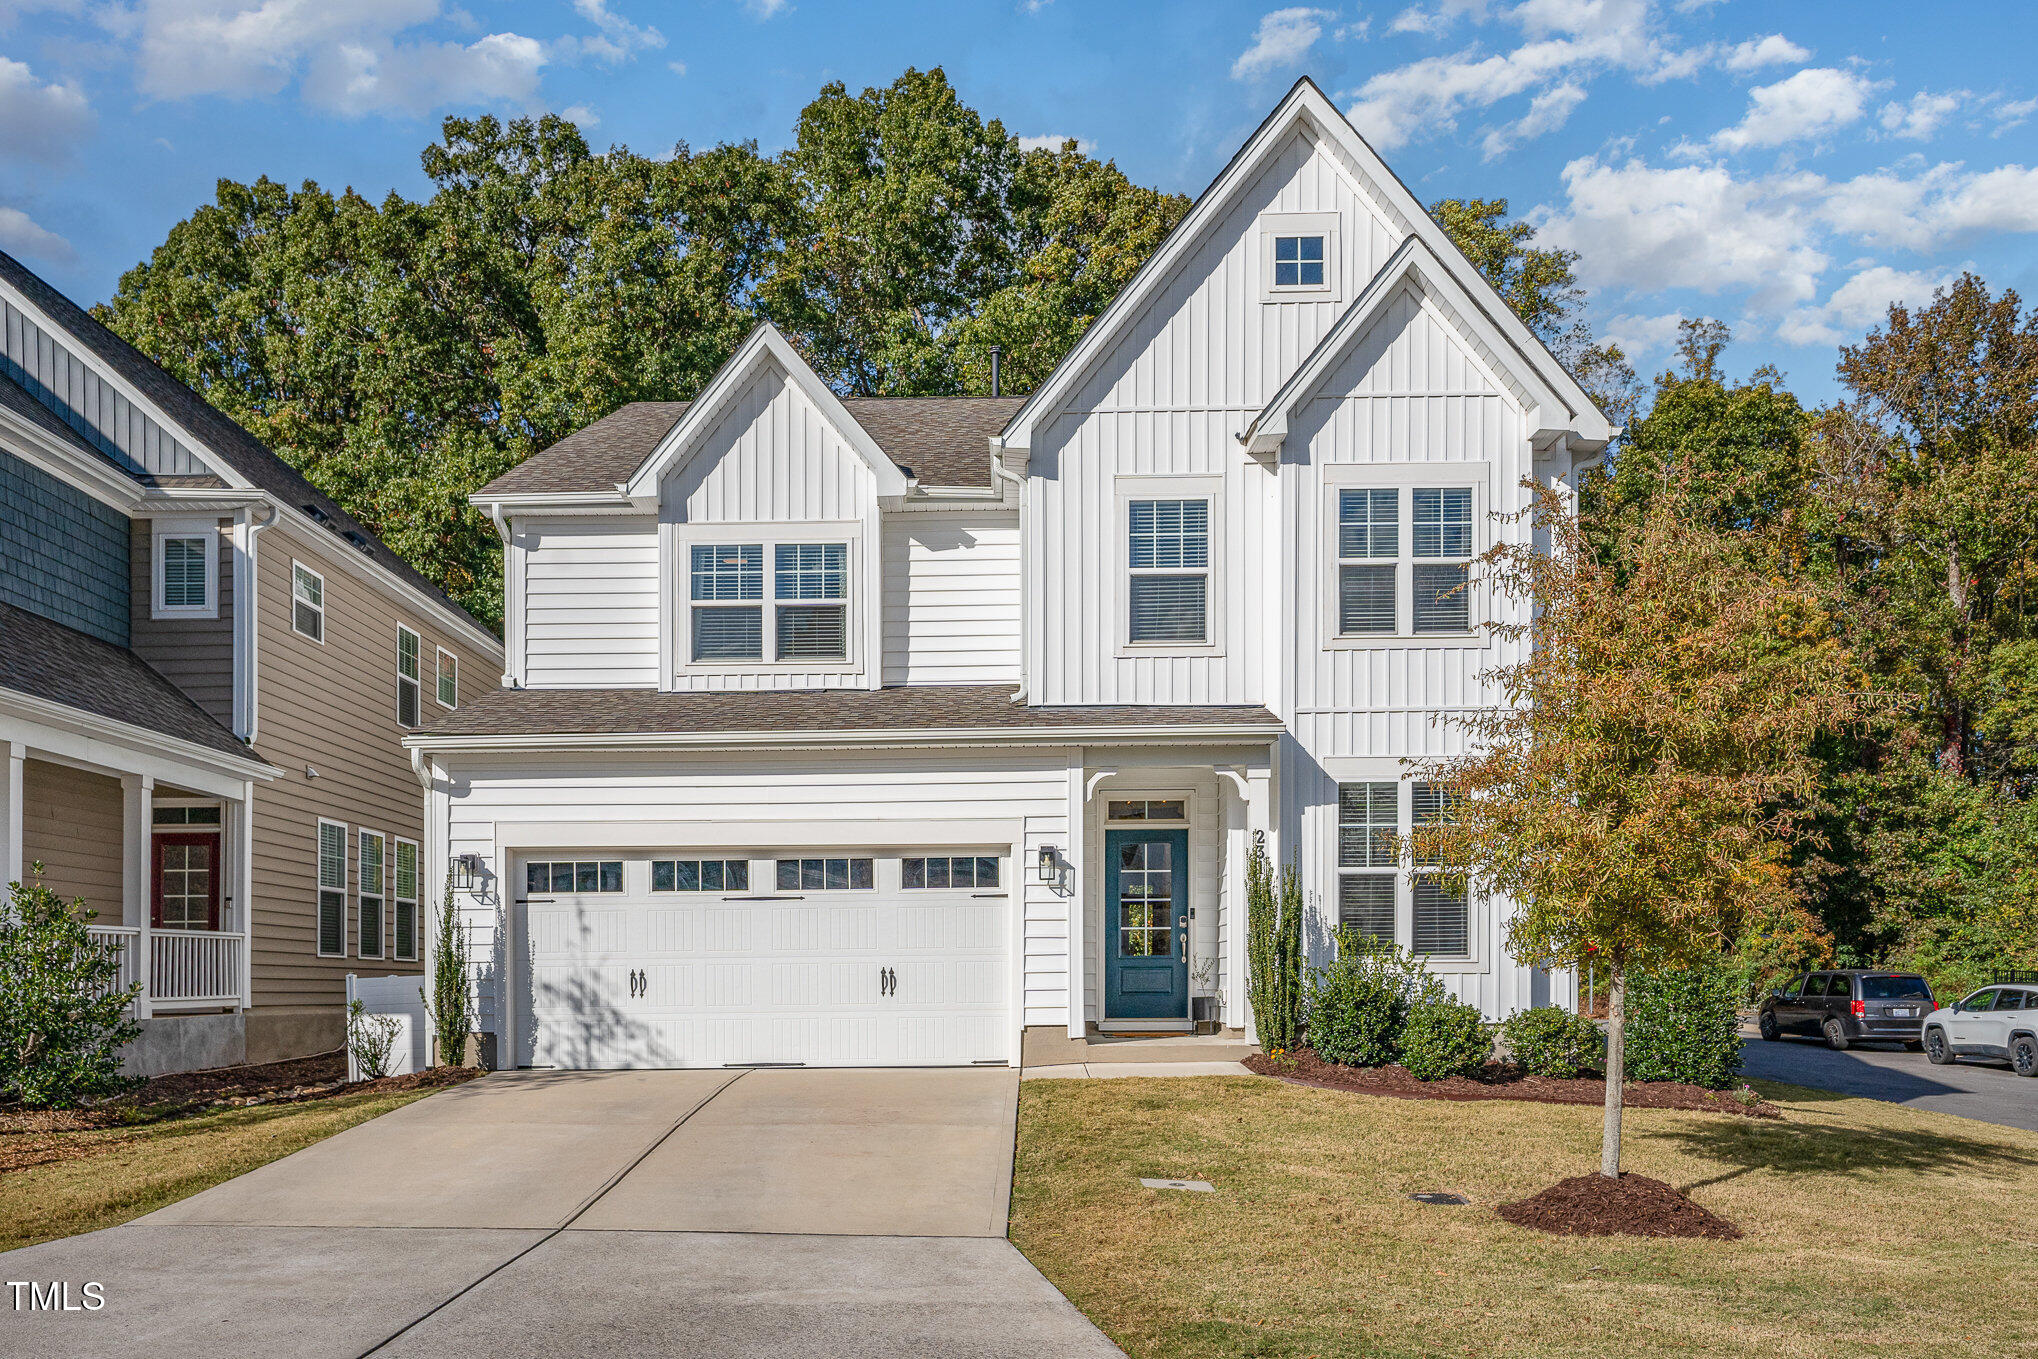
[881,981]
[643,982]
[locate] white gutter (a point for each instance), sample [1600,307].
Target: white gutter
[879,738]
[249,766]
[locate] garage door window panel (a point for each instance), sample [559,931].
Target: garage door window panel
[827,874]
[584,876]
[700,875]
[936,872]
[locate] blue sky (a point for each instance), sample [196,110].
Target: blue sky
[1788,168]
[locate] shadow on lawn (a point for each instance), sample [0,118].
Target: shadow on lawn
[1821,1148]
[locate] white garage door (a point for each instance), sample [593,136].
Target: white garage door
[825,960]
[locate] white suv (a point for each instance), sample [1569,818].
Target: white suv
[1996,1021]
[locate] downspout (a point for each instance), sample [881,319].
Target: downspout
[1005,474]
[247,631]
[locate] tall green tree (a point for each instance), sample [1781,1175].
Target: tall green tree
[1635,788]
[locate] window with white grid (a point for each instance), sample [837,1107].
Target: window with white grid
[784,602]
[1375,866]
[1401,561]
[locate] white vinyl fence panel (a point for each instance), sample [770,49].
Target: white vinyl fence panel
[399,996]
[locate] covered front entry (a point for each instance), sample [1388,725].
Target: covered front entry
[829,959]
[1146,892]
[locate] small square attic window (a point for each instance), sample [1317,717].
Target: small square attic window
[1298,257]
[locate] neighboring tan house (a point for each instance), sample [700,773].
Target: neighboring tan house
[206,668]
[926,731]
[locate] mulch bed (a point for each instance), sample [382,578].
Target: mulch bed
[184,1093]
[1633,1205]
[1304,1067]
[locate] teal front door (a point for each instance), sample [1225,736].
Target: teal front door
[1146,888]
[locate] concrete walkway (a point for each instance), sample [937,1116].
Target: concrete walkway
[826,1213]
[1107,1070]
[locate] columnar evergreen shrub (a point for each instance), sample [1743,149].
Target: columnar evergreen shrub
[1444,1037]
[1551,1041]
[1684,1025]
[1273,950]
[450,1005]
[62,1023]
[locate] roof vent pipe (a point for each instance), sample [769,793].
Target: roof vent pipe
[997,351]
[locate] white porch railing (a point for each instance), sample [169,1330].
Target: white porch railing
[119,940]
[186,967]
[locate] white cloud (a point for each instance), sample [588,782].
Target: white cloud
[1546,113]
[581,116]
[349,56]
[1815,101]
[678,68]
[1432,21]
[1644,229]
[20,235]
[1568,41]
[1857,304]
[1919,119]
[616,39]
[765,9]
[1642,335]
[1283,39]
[2013,114]
[1052,141]
[1943,204]
[1754,54]
[44,121]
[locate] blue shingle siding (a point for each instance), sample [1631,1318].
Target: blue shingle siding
[62,554]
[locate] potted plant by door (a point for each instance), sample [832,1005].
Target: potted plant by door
[1204,1006]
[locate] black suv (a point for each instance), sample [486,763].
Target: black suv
[1848,1005]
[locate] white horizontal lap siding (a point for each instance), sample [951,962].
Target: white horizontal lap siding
[1027,789]
[774,458]
[590,603]
[951,598]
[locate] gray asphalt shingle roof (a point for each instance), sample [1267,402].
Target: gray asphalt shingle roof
[941,440]
[903,708]
[49,661]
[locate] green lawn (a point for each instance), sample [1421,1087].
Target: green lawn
[113,1175]
[1871,1229]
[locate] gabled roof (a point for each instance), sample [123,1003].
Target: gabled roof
[48,661]
[218,438]
[1412,263]
[936,440]
[1307,107]
[764,348]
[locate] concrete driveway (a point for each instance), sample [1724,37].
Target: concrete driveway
[1988,1091]
[767,1212]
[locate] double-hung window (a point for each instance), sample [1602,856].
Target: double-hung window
[448,679]
[332,889]
[368,928]
[1402,561]
[307,602]
[807,597]
[186,569]
[1373,864]
[409,686]
[1168,563]
[406,901]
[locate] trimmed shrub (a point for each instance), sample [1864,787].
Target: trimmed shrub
[62,1023]
[1358,1003]
[1444,1037]
[1684,1025]
[1551,1041]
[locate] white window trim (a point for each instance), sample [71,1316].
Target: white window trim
[1348,769]
[417,921]
[402,679]
[380,895]
[1324,224]
[1407,478]
[769,535]
[319,889]
[319,576]
[164,530]
[439,677]
[1143,486]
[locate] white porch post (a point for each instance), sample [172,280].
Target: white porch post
[1078,800]
[138,792]
[1259,823]
[243,878]
[12,753]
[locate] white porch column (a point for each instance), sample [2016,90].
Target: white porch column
[12,753]
[137,803]
[243,878]
[1259,828]
[1078,800]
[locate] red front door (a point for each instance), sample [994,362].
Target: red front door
[186,881]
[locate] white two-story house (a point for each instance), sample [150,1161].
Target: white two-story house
[893,731]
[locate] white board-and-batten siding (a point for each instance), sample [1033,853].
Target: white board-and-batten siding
[1026,791]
